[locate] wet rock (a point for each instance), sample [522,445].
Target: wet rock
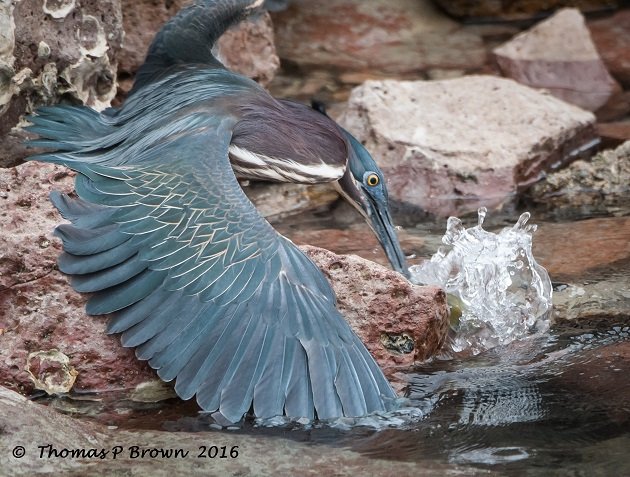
[39,311]
[614,134]
[392,36]
[357,239]
[248,48]
[31,425]
[592,305]
[50,51]
[277,201]
[601,185]
[597,244]
[400,323]
[571,70]
[449,147]
[598,380]
[612,38]
[518,9]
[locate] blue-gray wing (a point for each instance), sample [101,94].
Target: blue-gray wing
[204,288]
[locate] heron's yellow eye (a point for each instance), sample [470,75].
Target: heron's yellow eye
[372,180]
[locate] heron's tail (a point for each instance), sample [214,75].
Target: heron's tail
[188,37]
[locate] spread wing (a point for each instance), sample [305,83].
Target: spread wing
[204,288]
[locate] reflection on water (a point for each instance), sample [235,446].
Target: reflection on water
[560,401]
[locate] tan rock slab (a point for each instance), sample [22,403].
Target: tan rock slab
[448,147]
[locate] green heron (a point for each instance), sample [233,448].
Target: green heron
[165,240]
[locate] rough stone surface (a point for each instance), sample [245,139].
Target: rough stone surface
[384,309]
[449,147]
[612,38]
[74,52]
[248,48]
[601,185]
[597,244]
[39,311]
[392,36]
[518,9]
[31,425]
[571,70]
[277,201]
[52,51]
[600,304]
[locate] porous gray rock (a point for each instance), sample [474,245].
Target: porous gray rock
[599,185]
[558,55]
[448,147]
[52,51]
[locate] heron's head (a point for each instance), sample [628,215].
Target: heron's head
[363,185]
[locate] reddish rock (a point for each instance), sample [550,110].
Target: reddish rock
[612,38]
[614,134]
[392,36]
[595,244]
[571,70]
[357,240]
[518,9]
[39,311]
[399,322]
[449,147]
[50,50]
[247,48]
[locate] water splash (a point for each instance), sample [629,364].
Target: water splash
[503,294]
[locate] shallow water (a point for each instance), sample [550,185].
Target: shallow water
[553,404]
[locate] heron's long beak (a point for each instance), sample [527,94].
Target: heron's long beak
[380,220]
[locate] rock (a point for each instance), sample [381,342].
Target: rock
[32,425]
[613,134]
[391,36]
[518,9]
[449,147]
[247,48]
[592,304]
[586,256]
[357,239]
[400,323]
[278,201]
[612,38]
[39,311]
[571,70]
[50,51]
[600,185]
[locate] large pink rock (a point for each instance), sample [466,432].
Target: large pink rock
[449,147]
[558,55]
[39,311]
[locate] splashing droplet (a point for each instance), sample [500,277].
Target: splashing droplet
[504,294]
